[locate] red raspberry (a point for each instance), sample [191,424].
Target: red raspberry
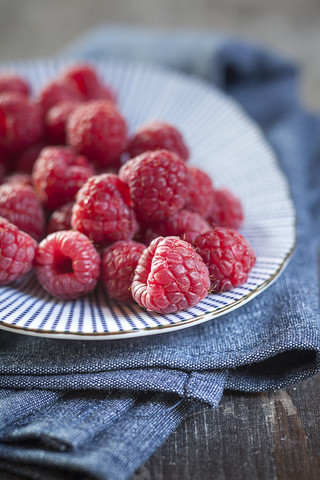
[17,250]
[58,174]
[200,192]
[55,121]
[102,210]
[157,135]
[10,82]
[57,92]
[20,205]
[96,129]
[27,158]
[83,78]
[67,264]
[225,210]
[21,123]
[118,264]
[170,276]
[60,219]
[158,183]
[184,224]
[228,256]
[20,178]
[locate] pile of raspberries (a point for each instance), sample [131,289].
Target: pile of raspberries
[82,201]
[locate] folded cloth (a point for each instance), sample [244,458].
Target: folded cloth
[98,410]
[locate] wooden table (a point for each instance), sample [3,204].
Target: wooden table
[263,436]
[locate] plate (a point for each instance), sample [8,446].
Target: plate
[229,147]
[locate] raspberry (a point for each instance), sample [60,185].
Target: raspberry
[200,192]
[225,210]
[97,129]
[228,256]
[157,135]
[20,178]
[20,205]
[170,276]
[102,210]
[57,92]
[58,174]
[184,224]
[26,160]
[67,264]
[55,121]
[9,82]
[118,264]
[83,78]
[158,183]
[21,123]
[60,219]
[17,250]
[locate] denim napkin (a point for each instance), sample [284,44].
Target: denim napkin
[98,410]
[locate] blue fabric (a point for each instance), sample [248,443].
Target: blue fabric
[100,409]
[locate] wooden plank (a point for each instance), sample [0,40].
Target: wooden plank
[270,436]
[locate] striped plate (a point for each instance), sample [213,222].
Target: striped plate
[224,142]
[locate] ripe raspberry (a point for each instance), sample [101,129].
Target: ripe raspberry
[55,122]
[58,174]
[184,224]
[57,92]
[170,276]
[158,183]
[21,123]
[83,78]
[118,264]
[157,135]
[17,250]
[67,264]
[200,192]
[228,256]
[102,210]
[10,82]
[225,210]
[20,178]
[20,205]
[26,159]
[60,219]
[97,129]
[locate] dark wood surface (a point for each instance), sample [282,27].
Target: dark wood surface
[265,436]
[272,435]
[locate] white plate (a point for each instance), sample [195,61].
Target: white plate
[225,143]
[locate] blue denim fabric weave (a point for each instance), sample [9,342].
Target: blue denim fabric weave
[98,410]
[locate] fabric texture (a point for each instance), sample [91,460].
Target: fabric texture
[98,410]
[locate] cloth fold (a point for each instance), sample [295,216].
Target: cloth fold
[98,410]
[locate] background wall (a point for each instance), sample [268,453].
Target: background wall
[30,28]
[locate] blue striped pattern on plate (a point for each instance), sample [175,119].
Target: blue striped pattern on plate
[226,144]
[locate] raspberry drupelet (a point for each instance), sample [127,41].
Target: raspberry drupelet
[97,130]
[58,173]
[200,192]
[170,276]
[20,205]
[102,210]
[158,135]
[17,251]
[158,183]
[67,264]
[228,256]
[21,123]
[225,210]
[118,264]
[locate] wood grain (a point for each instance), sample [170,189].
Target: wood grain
[264,436]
